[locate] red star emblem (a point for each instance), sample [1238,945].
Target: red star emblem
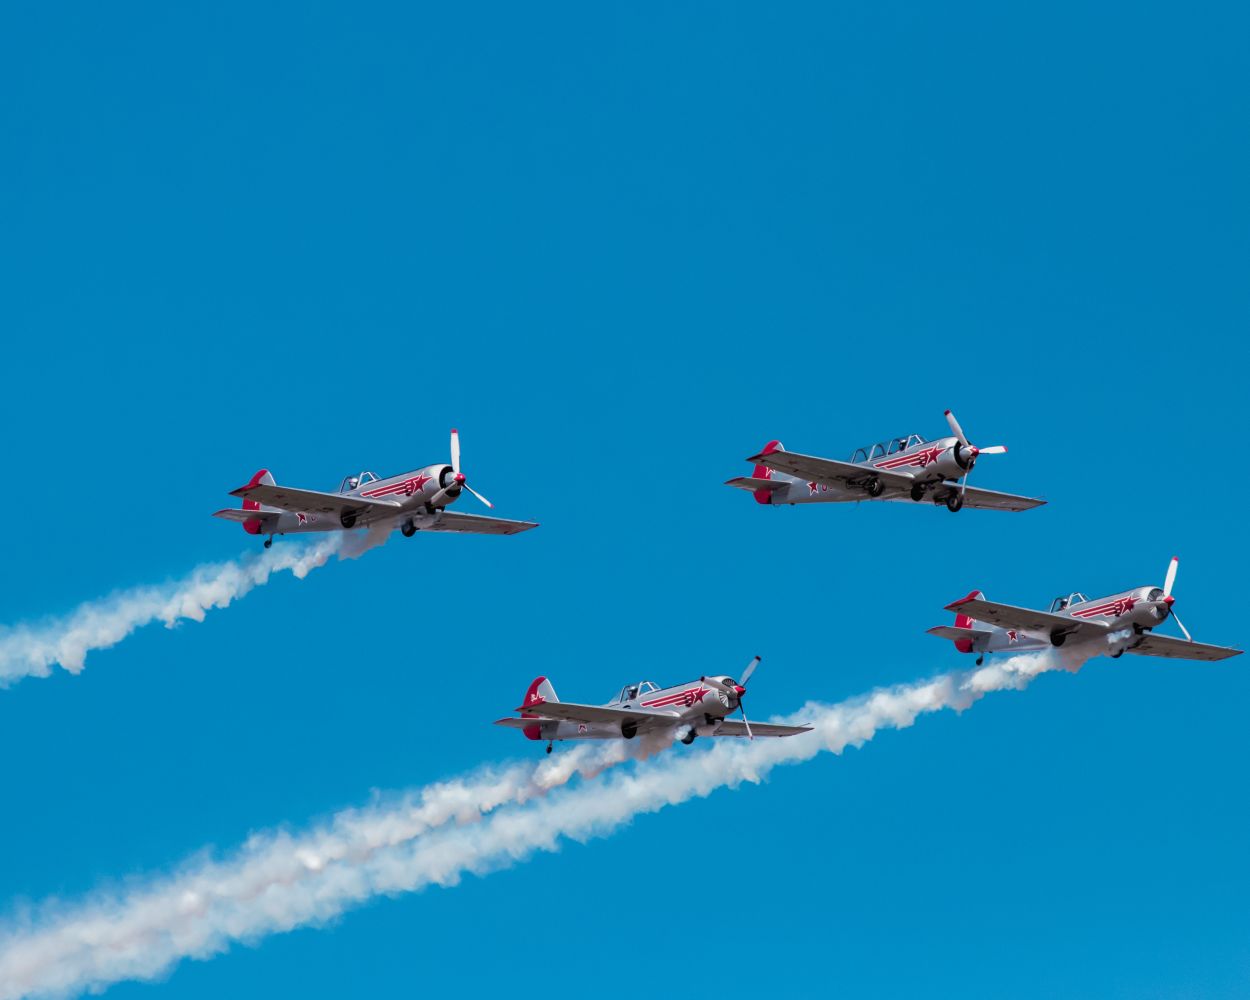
[811,489]
[414,485]
[928,455]
[302,517]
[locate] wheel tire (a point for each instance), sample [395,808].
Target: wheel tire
[347,519]
[1116,655]
[629,730]
[407,529]
[917,493]
[954,501]
[874,487]
[1058,639]
[688,738]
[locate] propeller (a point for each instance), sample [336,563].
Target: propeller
[966,454]
[455,467]
[737,691]
[1168,599]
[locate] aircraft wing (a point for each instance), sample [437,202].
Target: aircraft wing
[732,727]
[265,517]
[827,470]
[312,501]
[987,499]
[572,712]
[1180,649]
[752,483]
[1007,616]
[475,524]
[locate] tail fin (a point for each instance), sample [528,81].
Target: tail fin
[962,620]
[252,527]
[764,495]
[539,691]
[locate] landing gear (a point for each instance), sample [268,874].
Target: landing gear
[981,660]
[1117,654]
[689,737]
[408,529]
[917,492]
[348,519]
[1058,638]
[954,500]
[549,746]
[269,542]
[629,730]
[874,487]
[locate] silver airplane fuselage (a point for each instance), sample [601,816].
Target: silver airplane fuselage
[697,707]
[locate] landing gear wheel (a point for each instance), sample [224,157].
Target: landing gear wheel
[629,730]
[348,519]
[269,542]
[981,660]
[407,529]
[548,748]
[1058,638]
[1117,654]
[917,492]
[874,487]
[954,500]
[689,737]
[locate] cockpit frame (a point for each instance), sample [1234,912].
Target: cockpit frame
[356,482]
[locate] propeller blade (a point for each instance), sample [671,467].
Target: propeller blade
[746,674]
[455,450]
[956,429]
[994,449]
[745,721]
[1183,628]
[1171,577]
[479,496]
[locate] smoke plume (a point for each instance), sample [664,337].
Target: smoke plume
[32,650]
[492,819]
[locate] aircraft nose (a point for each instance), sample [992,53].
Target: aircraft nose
[739,690]
[1169,600]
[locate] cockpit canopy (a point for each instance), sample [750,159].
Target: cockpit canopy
[884,448]
[356,482]
[1063,603]
[631,692]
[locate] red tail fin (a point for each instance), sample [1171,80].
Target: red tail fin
[539,691]
[263,476]
[764,472]
[962,620]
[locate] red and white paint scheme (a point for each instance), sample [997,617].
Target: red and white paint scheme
[1123,622]
[903,468]
[412,501]
[686,711]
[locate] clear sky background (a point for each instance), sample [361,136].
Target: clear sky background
[620,248]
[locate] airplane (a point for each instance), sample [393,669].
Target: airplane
[412,501]
[698,708]
[903,467]
[1125,621]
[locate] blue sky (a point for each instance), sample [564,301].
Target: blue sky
[620,249]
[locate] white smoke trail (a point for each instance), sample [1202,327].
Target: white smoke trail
[280,881]
[33,650]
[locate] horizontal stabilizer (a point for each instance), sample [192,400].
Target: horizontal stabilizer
[755,483]
[243,516]
[953,633]
[512,723]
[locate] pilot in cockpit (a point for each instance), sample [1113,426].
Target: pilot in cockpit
[630,693]
[352,482]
